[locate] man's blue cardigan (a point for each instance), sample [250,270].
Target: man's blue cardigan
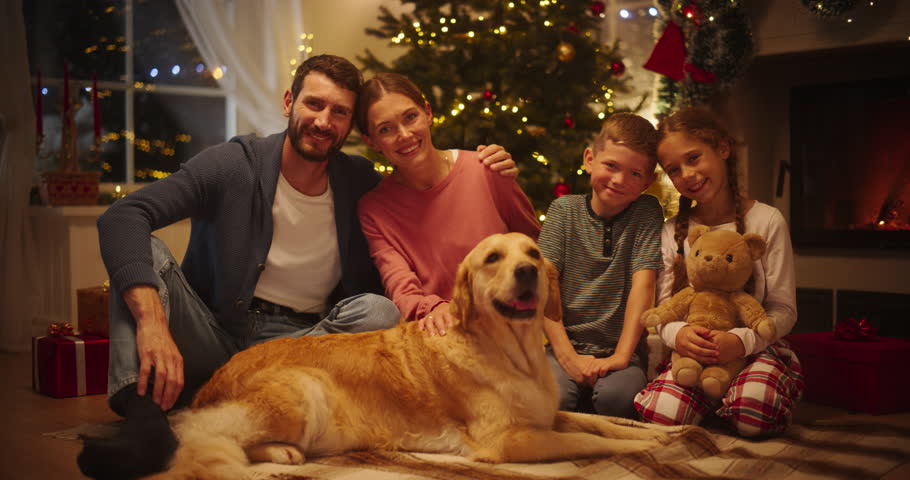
[228,190]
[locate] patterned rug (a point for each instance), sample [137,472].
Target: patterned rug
[852,447]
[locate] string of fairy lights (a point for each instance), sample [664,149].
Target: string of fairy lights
[160,146]
[486,103]
[429,34]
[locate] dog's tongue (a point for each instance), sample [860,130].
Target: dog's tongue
[529,303]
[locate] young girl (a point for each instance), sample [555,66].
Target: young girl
[422,220]
[697,154]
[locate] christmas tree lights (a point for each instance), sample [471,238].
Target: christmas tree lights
[529,75]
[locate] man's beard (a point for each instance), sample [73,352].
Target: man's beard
[295,136]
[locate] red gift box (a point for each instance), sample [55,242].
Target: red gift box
[864,376]
[69,366]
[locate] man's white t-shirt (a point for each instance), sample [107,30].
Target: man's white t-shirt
[303,265]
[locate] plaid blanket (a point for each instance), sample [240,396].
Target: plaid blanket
[844,448]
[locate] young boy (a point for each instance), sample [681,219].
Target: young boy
[606,246]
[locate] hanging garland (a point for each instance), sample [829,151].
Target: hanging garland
[704,47]
[829,8]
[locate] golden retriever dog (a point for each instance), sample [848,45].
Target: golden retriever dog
[484,391]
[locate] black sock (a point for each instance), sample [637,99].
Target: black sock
[143,446]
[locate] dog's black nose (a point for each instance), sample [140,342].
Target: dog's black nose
[526,275]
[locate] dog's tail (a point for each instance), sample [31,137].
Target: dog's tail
[211,440]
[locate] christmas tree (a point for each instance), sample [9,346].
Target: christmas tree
[532,76]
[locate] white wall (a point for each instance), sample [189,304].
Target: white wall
[338,27]
[785,26]
[796,47]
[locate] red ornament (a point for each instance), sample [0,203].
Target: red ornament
[561,189]
[598,8]
[693,12]
[570,122]
[488,95]
[573,27]
[617,69]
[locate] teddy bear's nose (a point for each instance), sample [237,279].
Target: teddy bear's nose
[708,258]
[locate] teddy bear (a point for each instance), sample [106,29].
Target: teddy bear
[719,264]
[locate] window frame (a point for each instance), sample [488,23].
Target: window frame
[129,87]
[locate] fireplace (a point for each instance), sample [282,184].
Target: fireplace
[850,164]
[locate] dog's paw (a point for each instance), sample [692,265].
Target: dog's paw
[283,453]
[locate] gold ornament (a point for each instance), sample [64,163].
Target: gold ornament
[565,51]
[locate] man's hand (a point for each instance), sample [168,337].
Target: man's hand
[498,160]
[697,343]
[438,321]
[156,347]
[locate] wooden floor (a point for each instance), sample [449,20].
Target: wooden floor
[25,453]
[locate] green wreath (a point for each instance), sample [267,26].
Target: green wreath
[829,8]
[718,38]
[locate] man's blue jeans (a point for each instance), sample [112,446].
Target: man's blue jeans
[204,344]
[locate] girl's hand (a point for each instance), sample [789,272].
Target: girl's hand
[438,321]
[697,343]
[729,346]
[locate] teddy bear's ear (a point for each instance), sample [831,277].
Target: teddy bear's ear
[696,232]
[756,244]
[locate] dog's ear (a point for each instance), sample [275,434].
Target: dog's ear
[553,308]
[462,294]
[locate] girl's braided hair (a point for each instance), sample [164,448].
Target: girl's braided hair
[704,125]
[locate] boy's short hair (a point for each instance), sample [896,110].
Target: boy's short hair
[631,131]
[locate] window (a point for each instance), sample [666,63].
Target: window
[632,22]
[159,103]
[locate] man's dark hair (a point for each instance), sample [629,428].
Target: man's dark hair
[338,69]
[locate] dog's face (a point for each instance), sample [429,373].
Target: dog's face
[506,275]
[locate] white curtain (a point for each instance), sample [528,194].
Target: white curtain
[17,154]
[256,41]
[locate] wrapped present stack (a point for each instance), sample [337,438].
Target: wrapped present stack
[854,368]
[67,365]
[92,310]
